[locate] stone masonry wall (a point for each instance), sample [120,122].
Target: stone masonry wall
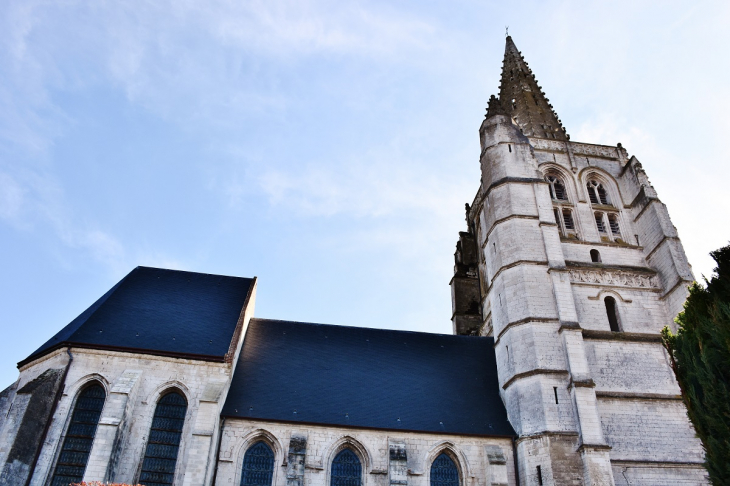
[133,384]
[481,461]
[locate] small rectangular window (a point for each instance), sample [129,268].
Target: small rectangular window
[539,475]
[555,389]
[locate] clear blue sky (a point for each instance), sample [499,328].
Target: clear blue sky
[326,147]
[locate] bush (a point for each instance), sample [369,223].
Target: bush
[700,356]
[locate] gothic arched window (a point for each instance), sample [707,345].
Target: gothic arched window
[160,457]
[597,193]
[562,208]
[346,469]
[258,465]
[557,188]
[76,446]
[444,471]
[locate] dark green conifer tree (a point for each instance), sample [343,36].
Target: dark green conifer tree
[700,356]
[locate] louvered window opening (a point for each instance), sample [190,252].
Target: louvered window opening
[599,222]
[76,447]
[613,223]
[346,469]
[258,466]
[568,219]
[158,466]
[557,189]
[597,193]
[444,472]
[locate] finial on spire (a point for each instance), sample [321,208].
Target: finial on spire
[506,30]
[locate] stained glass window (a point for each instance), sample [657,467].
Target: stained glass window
[444,471]
[346,469]
[258,465]
[76,447]
[160,457]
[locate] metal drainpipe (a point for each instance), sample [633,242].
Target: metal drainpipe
[46,427]
[514,457]
[218,451]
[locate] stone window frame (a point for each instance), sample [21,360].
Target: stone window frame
[145,425]
[252,438]
[75,391]
[610,216]
[358,448]
[449,448]
[563,208]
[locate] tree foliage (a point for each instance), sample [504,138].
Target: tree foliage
[700,356]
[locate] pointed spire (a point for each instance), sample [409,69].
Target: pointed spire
[523,99]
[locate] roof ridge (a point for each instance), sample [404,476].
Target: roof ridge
[377,329]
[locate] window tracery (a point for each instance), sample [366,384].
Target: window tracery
[258,465]
[160,458]
[444,471]
[606,218]
[597,193]
[346,469]
[76,448]
[562,207]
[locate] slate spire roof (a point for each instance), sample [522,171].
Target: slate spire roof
[522,98]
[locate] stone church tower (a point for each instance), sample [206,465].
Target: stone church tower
[572,264]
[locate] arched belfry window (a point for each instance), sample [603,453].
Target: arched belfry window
[76,446]
[612,314]
[444,471]
[258,465]
[346,469]
[597,193]
[562,208]
[557,188]
[160,457]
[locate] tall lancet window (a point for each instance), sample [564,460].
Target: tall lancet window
[160,457]
[76,447]
[258,465]
[346,469]
[444,472]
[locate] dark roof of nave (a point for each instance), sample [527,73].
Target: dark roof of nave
[367,378]
[160,312]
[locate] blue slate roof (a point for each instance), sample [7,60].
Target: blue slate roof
[367,378]
[160,312]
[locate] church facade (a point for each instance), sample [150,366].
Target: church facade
[554,375]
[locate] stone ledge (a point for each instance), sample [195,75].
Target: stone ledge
[637,396]
[621,336]
[527,374]
[595,447]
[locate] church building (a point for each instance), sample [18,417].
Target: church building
[555,373]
